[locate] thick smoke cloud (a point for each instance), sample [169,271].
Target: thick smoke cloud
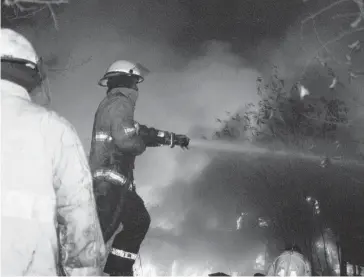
[180,95]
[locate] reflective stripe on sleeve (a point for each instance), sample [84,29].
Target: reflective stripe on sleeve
[124,254]
[130,131]
[102,136]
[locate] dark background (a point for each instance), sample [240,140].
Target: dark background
[204,58]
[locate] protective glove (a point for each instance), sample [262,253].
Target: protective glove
[153,137]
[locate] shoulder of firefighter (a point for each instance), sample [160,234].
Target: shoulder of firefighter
[47,196]
[128,135]
[123,130]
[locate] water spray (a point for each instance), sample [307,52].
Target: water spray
[251,149]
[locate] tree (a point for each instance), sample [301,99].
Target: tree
[318,120]
[24,9]
[287,118]
[303,118]
[348,33]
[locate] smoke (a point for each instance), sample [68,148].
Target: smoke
[185,211]
[298,59]
[183,100]
[183,94]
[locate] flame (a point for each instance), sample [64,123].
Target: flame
[303,91]
[148,269]
[260,262]
[315,204]
[239,221]
[263,222]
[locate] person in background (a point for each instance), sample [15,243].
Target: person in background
[48,211]
[116,141]
[290,263]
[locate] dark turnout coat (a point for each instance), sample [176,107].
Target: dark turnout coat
[115,145]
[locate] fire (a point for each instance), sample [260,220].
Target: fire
[260,262]
[239,221]
[315,204]
[148,269]
[303,91]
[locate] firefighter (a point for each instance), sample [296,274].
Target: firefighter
[116,140]
[290,263]
[48,211]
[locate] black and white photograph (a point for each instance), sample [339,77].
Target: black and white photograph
[182,138]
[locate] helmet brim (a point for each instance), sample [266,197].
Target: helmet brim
[104,79]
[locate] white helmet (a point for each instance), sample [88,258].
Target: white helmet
[18,51]
[16,46]
[123,67]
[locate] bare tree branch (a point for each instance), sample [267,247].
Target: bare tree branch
[24,9]
[35,7]
[70,67]
[322,43]
[323,10]
[336,39]
[53,15]
[360,17]
[29,14]
[345,15]
[44,2]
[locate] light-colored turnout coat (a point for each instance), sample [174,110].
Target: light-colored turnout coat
[46,189]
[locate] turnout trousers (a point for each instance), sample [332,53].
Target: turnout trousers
[118,205]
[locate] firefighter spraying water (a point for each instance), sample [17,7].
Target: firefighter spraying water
[116,141]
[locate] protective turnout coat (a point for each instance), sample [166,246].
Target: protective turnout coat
[114,120]
[114,147]
[46,189]
[290,263]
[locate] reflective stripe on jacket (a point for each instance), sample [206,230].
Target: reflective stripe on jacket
[46,188]
[115,143]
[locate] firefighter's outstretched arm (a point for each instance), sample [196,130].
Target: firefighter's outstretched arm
[81,242]
[123,129]
[153,137]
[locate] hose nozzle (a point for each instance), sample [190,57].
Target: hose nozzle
[180,140]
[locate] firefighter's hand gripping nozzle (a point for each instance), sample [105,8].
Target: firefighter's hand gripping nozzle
[154,138]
